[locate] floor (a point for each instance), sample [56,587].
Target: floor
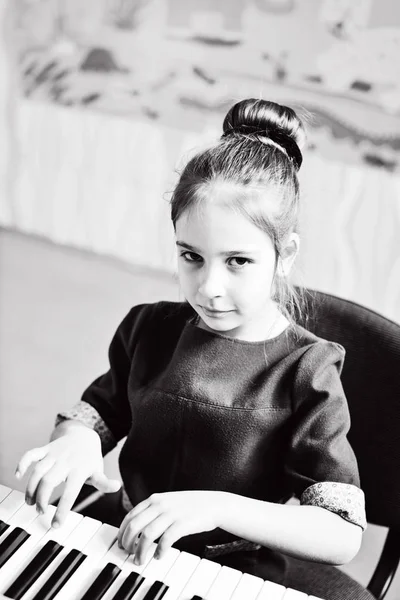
[58,310]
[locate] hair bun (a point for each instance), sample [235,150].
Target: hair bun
[269,120]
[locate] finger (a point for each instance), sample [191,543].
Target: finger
[131,514]
[102,483]
[149,534]
[49,481]
[72,488]
[28,458]
[171,535]
[38,472]
[135,526]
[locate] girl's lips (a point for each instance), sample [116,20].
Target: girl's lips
[210,312]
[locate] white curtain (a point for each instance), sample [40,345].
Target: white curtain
[101,182]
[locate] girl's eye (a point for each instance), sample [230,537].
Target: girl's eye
[191,256]
[239,261]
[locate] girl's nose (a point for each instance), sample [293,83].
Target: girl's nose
[211,284]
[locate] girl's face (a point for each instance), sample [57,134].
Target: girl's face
[226,268]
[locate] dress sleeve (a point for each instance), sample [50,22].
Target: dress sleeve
[104,405]
[321,468]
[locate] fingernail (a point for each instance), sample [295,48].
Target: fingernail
[55,524]
[136,560]
[17,474]
[28,501]
[39,510]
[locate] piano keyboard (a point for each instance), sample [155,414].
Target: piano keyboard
[81,561]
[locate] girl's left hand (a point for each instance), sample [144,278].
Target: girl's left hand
[169,516]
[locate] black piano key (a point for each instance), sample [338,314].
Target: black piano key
[61,575]
[3,527]
[102,582]
[10,545]
[157,591]
[196,597]
[33,570]
[130,586]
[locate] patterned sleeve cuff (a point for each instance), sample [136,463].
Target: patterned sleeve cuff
[86,414]
[344,499]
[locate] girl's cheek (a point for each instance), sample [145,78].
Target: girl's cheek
[188,287]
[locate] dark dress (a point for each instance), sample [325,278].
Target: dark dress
[200,410]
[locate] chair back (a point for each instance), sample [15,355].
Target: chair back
[371,381]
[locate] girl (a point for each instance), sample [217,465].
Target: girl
[229,408]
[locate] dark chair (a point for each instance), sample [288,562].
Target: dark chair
[371,381]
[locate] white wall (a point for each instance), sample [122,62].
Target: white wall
[98,181]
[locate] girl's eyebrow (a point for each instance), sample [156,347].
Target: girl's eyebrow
[188,246]
[228,253]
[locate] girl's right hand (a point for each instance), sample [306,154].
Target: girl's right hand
[75,458]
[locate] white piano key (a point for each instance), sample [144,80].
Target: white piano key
[224,585]
[179,574]
[5,533]
[156,570]
[4,492]
[158,566]
[201,580]
[16,564]
[271,591]
[42,524]
[22,557]
[131,566]
[21,518]
[75,532]
[41,531]
[248,588]
[24,516]
[185,574]
[291,594]
[127,568]
[116,555]
[82,534]
[11,504]
[96,548]
[60,534]
[102,541]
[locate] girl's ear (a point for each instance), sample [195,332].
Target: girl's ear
[288,255]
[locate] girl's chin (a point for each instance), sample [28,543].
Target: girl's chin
[221,325]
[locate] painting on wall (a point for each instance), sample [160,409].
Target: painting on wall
[183,62]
